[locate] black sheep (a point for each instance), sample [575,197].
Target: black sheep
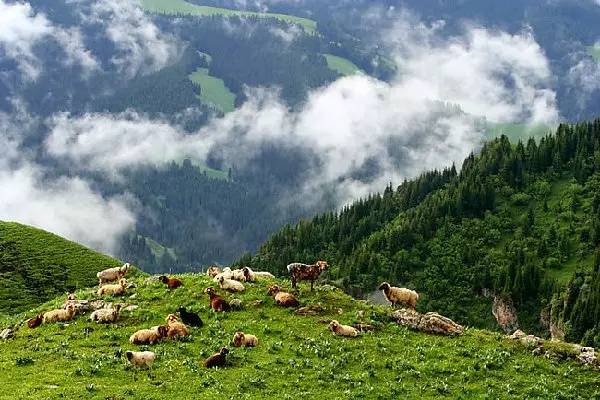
[190,318]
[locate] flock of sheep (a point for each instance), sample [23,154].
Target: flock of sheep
[228,280]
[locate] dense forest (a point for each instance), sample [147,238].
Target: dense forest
[522,220]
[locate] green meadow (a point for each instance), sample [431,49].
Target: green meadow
[341,65]
[213,90]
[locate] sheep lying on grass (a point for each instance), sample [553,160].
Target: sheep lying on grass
[35,321]
[112,274]
[227,273]
[190,318]
[242,339]
[217,303]
[106,315]
[149,336]
[283,299]
[217,359]
[175,328]
[342,330]
[141,358]
[399,296]
[113,290]
[230,285]
[253,276]
[172,283]
[213,271]
[60,315]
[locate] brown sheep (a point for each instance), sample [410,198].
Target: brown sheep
[176,328]
[60,315]
[217,359]
[342,330]
[243,339]
[305,272]
[35,321]
[172,283]
[217,303]
[149,336]
[114,290]
[140,358]
[399,296]
[283,299]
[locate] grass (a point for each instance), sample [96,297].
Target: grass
[297,356]
[341,65]
[181,7]
[159,250]
[213,90]
[595,52]
[517,131]
[36,266]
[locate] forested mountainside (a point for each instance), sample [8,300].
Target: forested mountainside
[520,219]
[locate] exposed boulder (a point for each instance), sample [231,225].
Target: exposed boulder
[505,313]
[430,322]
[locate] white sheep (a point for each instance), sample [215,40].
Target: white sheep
[106,315]
[399,296]
[141,358]
[227,273]
[230,285]
[342,330]
[114,290]
[149,336]
[112,274]
[243,339]
[252,276]
[60,315]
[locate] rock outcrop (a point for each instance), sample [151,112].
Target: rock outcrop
[505,313]
[430,322]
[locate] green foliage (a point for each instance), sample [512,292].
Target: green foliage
[595,52]
[36,266]
[341,65]
[213,90]
[297,356]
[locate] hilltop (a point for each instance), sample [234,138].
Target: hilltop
[297,356]
[36,266]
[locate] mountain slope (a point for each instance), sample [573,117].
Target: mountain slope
[518,219]
[36,266]
[297,356]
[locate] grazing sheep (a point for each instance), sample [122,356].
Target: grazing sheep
[149,336]
[231,285]
[113,290]
[217,303]
[305,272]
[342,330]
[213,271]
[112,274]
[399,296]
[283,299]
[172,283]
[217,359]
[190,318]
[242,339]
[176,328]
[141,358]
[35,321]
[60,315]
[106,315]
[253,276]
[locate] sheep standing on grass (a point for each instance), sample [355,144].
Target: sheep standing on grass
[399,296]
[342,330]
[114,290]
[112,274]
[230,285]
[60,315]
[140,358]
[149,336]
[243,339]
[172,283]
[305,272]
[175,328]
[106,315]
[283,299]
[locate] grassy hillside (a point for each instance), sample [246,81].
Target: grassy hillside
[213,91]
[517,131]
[595,52]
[341,65]
[181,7]
[36,265]
[297,356]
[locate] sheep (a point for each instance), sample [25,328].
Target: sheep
[172,283]
[217,303]
[112,274]
[399,296]
[231,285]
[140,358]
[253,276]
[217,359]
[213,271]
[60,315]
[283,299]
[149,336]
[227,273]
[106,315]
[342,330]
[114,290]
[175,328]
[243,339]
[305,272]
[35,321]
[190,318]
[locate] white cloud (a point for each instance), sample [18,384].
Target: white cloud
[21,29]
